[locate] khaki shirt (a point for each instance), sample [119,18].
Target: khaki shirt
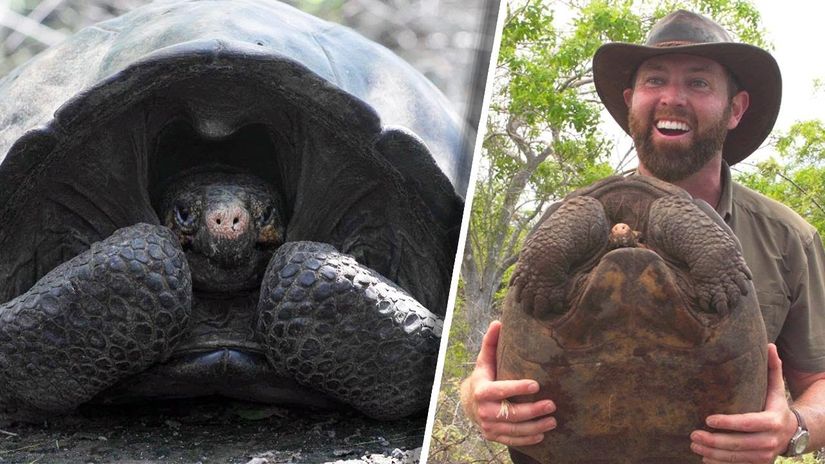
[786,258]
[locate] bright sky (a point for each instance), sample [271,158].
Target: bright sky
[792,27]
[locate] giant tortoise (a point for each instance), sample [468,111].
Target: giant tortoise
[224,197]
[633,308]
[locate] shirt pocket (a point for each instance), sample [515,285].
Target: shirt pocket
[774,307]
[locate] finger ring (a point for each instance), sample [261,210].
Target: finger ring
[504,410]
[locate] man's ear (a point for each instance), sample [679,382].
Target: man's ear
[628,96]
[738,105]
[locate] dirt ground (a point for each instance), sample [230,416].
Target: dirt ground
[212,431]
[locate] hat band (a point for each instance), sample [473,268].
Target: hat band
[673,43]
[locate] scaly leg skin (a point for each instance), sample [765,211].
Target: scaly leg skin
[108,313]
[571,235]
[679,228]
[341,328]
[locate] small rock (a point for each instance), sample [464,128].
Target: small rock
[258,461]
[379,459]
[411,456]
[172,424]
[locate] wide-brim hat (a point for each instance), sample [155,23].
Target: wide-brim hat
[754,69]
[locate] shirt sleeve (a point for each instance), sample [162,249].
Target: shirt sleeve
[801,341]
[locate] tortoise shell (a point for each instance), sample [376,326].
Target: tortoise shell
[94,127]
[636,341]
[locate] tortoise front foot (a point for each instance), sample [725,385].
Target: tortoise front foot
[575,232]
[680,229]
[108,313]
[341,328]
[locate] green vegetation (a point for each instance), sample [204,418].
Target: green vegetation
[543,140]
[804,459]
[797,177]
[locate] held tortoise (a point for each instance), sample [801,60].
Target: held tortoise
[633,308]
[224,197]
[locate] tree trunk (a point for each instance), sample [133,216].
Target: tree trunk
[480,286]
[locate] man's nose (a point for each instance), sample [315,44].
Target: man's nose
[673,94]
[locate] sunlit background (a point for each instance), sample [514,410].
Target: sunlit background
[443,39]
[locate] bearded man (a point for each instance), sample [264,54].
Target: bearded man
[695,102]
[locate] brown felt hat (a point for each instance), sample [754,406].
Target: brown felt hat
[756,71]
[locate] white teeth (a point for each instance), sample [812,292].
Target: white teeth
[672,125]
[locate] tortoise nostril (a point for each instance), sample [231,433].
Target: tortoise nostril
[228,221]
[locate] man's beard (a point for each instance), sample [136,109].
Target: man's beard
[673,164]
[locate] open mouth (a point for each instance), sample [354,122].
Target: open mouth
[672,128]
[204,348]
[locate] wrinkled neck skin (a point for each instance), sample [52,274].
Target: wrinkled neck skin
[705,184]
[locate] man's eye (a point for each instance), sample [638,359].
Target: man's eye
[655,81]
[699,83]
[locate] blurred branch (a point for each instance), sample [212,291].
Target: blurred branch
[29,27]
[38,14]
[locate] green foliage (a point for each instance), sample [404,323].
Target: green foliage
[458,358]
[797,178]
[330,10]
[818,85]
[809,458]
[547,69]
[804,143]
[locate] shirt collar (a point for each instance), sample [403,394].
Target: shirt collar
[725,206]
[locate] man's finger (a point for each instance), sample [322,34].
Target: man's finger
[775,400]
[732,441]
[748,422]
[490,411]
[520,429]
[486,361]
[713,455]
[503,389]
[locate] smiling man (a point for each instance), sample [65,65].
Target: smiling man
[695,102]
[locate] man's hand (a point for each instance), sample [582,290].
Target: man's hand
[484,400]
[753,437]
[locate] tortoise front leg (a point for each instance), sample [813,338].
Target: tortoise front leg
[108,313]
[341,328]
[680,229]
[571,235]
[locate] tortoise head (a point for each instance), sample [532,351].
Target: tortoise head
[228,223]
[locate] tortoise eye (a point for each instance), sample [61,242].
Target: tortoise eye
[184,216]
[266,215]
